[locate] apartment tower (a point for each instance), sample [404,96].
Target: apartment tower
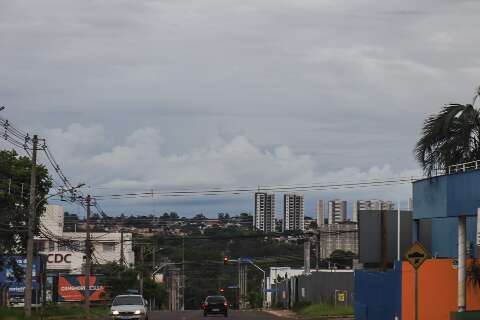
[320,213]
[264,218]
[337,211]
[293,212]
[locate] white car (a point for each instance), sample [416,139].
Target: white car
[129,306]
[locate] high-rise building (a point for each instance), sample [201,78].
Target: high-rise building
[361,205]
[337,211]
[264,218]
[293,212]
[320,213]
[410,204]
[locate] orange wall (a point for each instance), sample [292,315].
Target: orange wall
[437,289]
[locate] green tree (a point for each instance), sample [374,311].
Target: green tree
[118,280]
[199,216]
[450,137]
[14,199]
[342,259]
[255,299]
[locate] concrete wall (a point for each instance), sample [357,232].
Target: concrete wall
[318,287]
[370,234]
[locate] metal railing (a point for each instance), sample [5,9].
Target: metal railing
[462,167]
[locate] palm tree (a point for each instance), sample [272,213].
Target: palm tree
[450,137]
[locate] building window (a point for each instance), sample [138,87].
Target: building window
[51,245]
[108,246]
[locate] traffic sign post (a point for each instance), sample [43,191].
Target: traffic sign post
[416,256]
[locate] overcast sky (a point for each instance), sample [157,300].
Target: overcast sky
[170,94]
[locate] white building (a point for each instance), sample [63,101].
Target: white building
[293,212]
[66,250]
[410,204]
[320,213]
[361,205]
[264,218]
[337,211]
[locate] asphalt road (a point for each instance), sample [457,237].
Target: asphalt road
[197,314]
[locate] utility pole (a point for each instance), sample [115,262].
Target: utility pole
[306,256]
[243,288]
[183,275]
[141,268]
[317,250]
[31,222]
[122,254]
[239,285]
[88,260]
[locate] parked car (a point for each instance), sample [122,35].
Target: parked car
[215,305]
[129,307]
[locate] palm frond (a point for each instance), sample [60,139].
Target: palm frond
[449,137]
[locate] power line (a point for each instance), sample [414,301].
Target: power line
[22,139]
[216,192]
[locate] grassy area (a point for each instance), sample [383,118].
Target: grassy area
[67,312]
[321,310]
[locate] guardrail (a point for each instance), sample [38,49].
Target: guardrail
[462,167]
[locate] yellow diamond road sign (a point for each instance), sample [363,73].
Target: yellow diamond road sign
[416,255]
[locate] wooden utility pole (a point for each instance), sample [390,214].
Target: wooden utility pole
[122,254]
[88,258]
[183,276]
[154,255]
[317,250]
[141,268]
[31,223]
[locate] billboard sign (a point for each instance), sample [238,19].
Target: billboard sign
[16,286]
[72,288]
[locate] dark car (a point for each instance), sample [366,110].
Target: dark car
[215,305]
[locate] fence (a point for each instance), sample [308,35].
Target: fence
[327,286]
[378,294]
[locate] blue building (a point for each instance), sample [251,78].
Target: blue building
[437,204]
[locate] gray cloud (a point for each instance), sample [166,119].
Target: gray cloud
[171,85]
